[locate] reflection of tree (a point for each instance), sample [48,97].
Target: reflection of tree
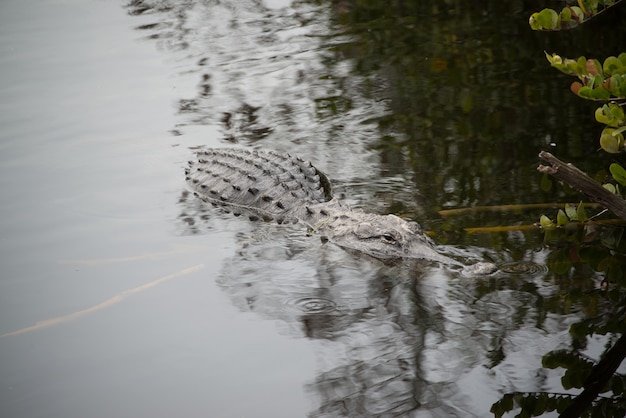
[469,107]
[363,316]
[414,106]
[391,98]
[391,338]
[268,75]
[587,263]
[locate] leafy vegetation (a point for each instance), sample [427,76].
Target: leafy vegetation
[603,82]
[579,242]
[569,16]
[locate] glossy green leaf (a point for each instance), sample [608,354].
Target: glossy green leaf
[610,114]
[600,93]
[545,19]
[577,14]
[546,223]
[619,173]
[601,115]
[569,16]
[581,66]
[616,85]
[613,65]
[570,211]
[612,144]
[616,111]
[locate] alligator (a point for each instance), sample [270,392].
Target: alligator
[269,186]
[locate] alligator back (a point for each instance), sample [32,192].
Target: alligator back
[262,184]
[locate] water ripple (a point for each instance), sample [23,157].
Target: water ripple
[311,305]
[523,267]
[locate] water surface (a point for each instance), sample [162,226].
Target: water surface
[121,295]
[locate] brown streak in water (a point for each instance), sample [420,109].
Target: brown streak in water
[107,303]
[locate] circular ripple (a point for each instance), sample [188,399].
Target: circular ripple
[312,305]
[523,267]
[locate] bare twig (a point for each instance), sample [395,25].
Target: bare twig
[580,181]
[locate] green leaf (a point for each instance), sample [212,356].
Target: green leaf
[547,19]
[616,84]
[616,111]
[613,65]
[566,15]
[610,188]
[546,223]
[581,66]
[534,23]
[600,93]
[570,211]
[619,173]
[577,14]
[586,92]
[554,59]
[610,114]
[612,144]
[601,115]
[580,212]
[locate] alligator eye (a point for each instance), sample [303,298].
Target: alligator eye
[388,238]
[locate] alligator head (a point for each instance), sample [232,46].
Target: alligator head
[389,236]
[381,236]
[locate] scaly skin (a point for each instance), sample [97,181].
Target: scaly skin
[270,186]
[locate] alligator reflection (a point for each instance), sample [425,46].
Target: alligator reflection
[392,337]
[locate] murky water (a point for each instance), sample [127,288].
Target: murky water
[121,295]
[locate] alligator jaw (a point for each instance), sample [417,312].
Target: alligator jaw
[385,236]
[389,237]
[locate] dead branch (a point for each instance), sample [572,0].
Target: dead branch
[580,181]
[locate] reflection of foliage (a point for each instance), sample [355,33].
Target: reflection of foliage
[599,247]
[459,82]
[601,250]
[580,372]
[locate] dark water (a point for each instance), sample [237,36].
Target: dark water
[121,296]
